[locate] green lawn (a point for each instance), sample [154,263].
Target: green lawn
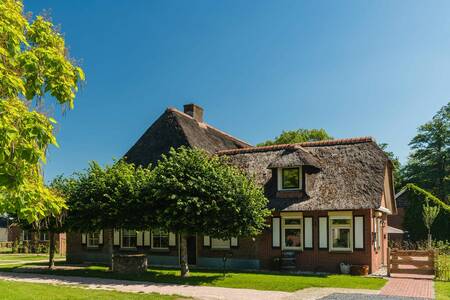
[442,289]
[21,290]
[259,281]
[12,258]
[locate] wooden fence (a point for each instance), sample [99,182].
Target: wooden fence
[414,262]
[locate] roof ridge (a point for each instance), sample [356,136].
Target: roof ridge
[346,141]
[172,109]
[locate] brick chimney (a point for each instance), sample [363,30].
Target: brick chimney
[194,111]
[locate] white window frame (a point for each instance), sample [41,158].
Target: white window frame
[43,234]
[90,237]
[28,233]
[291,226]
[280,179]
[122,236]
[157,233]
[341,226]
[221,245]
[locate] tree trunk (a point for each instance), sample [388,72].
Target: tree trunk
[429,239]
[184,256]
[51,250]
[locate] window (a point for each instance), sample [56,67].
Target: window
[341,233]
[43,236]
[160,239]
[26,235]
[290,178]
[93,239]
[220,244]
[292,233]
[129,238]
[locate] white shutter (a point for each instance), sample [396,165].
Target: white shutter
[83,238]
[139,238]
[147,238]
[359,232]
[206,241]
[323,234]
[100,237]
[234,242]
[172,239]
[116,239]
[276,232]
[308,232]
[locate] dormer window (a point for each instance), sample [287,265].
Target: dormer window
[289,178]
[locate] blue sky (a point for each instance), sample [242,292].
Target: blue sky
[355,68]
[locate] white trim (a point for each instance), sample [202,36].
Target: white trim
[298,216]
[116,237]
[206,241]
[159,231]
[359,232]
[308,232]
[346,226]
[323,234]
[88,239]
[121,240]
[276,239]
[280,179]
[220,246]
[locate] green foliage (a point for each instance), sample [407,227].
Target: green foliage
[33,63]
[414,212]
[429,214]
[193,192]
[429,163]
[443,267]
[107,197]
[298,136]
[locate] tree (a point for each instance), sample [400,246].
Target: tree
[415,211]
[430,214]
[298,136]
[34,62]
[196,193]
[429,163]
[108,197]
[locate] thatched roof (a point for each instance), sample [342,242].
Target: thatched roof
[174,129]
[351,173]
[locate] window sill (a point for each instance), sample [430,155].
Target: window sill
[160,250]
[341,250]
[220,249]
[92,247]
[293,249]
[128,249]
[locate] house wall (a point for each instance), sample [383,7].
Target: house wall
[251,253]
[379,256]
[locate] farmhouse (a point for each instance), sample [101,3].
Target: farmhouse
[330,202]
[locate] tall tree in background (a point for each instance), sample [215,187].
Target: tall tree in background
[195,193]
[298,136]
[34,62]
[429,163]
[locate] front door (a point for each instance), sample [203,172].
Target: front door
[192,250]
